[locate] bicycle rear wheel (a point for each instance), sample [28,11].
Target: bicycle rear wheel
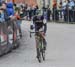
[43,54]
[42,50]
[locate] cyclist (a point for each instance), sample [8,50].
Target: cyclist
[40,28]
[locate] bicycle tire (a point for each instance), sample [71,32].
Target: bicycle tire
[39,55]
[43,51]
[40,50]
[43,55]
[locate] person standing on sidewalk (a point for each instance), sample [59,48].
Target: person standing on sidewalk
[55,13]
[70,5]
[60,8]
[64,4]
[48,14]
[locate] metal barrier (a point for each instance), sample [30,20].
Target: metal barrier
[9,36]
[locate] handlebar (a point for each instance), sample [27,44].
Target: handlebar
[36,31]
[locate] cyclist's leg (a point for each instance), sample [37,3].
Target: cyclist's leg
[37,49]
[44,43]
[44,40]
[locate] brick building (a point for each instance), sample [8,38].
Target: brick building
[37,2]
[29,2]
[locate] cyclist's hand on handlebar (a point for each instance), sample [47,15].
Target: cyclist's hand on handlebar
[43,33]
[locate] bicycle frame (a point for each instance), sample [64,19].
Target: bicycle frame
[40,47]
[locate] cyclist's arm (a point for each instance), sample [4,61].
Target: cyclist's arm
[45,24]
[45,28]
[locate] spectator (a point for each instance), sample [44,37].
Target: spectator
[28,10]
[45,14]
[64,10]
[10,9]
[70,5]
[74,13]
[35,10]
[2,15]
[55,13]
[48,14]
[17,14]
[60,8]
[6,17]
[30,13]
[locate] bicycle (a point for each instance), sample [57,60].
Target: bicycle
[40,46]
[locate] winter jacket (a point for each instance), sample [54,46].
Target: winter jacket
[10,9]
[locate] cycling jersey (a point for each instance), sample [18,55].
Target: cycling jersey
[38,22]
